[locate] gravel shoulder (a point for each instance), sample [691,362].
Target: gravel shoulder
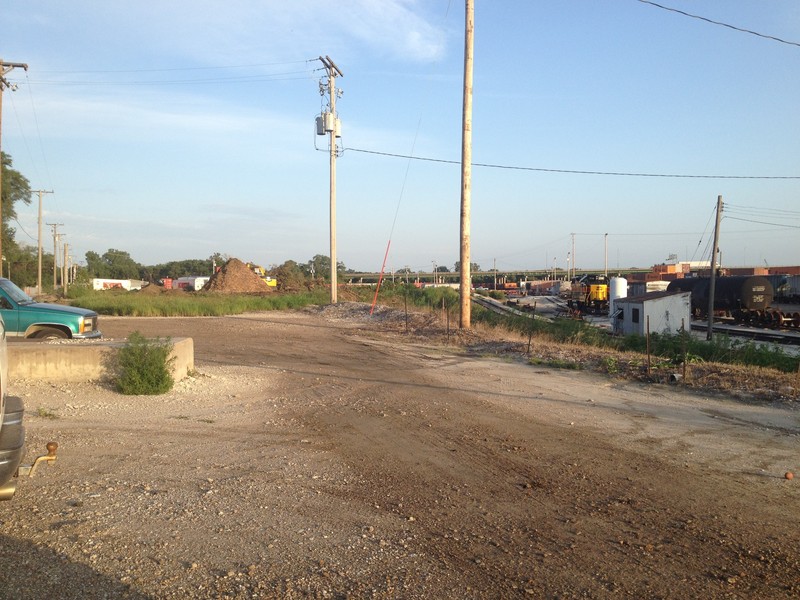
[329,454]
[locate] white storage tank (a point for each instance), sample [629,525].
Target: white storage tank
[617,288]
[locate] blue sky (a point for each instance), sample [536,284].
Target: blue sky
[175,130]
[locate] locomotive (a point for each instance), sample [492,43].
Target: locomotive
[589,294]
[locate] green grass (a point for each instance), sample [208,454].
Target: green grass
[672,348]
[45,413]
[135,304]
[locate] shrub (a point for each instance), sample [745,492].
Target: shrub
[144,366]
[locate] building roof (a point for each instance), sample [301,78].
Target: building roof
[650,296]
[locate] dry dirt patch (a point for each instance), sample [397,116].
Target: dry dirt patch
[332,454]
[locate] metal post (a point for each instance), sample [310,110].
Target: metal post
[465,286]
[712,284]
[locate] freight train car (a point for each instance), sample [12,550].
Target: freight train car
[742,299]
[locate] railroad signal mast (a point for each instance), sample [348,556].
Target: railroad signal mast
[328,124]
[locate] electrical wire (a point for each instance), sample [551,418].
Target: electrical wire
[720,23]
[762,222]
[174,69]
[764,211]
[23,230]
[39,136]
[573,171]
[295,76]
[705,231]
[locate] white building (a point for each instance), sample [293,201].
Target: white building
[191,284]
[660,312]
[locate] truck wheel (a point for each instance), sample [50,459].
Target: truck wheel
[51,334]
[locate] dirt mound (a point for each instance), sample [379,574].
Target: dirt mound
[235,277]
[151,289]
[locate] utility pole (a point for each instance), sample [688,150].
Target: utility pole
[328,123]
[5,68]
[606,256]
[64,268]
[573,257]
[713,283]
[39,280]
[465,286]
[55,227]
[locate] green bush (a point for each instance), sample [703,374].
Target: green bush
[144,366]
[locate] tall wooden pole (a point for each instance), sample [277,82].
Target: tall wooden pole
[4,69]
[39,279]
[333,71]
[465,288]
[712,284]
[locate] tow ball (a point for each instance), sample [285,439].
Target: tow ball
[7,490]
[28,470]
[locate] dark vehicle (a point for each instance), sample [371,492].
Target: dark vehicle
[12,434]
[24,317]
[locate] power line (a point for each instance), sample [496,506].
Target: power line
[288,76]
[573,171]
[173,69]
[23,229]
[763,222]
[764,211]
[720,23]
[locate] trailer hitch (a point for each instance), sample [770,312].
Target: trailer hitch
[10,487]
[28,470]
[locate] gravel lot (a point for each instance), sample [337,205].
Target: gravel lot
[330,454]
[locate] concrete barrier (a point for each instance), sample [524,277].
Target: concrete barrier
[82,360]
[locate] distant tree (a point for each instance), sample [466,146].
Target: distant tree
[473,267]
[319,267]
[96,266]
[218,259]
[442,269]
[21,264]
[177,268]
[290,276]
[114,264]
[16,188]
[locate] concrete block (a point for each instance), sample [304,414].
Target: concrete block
[75,360]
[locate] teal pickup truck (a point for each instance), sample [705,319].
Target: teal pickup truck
[26,318]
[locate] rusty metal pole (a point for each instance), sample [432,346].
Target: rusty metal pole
[465,287]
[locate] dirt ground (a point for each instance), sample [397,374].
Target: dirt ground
[329,454]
